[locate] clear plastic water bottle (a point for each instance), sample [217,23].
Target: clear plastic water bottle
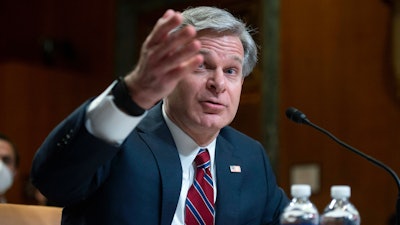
[300,211]
[340,210]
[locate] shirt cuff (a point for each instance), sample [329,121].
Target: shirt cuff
[107,122]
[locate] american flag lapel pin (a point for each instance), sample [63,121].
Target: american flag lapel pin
[235,169]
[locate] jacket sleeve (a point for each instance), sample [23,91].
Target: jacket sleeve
[71,163]
[278,199]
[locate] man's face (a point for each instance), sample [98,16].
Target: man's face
[7,155]
[208,98]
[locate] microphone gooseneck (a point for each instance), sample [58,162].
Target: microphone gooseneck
[297,116]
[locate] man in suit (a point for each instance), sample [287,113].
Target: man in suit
[129,155]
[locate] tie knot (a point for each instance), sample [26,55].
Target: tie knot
[202,159]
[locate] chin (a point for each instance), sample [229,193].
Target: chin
[214,121]
[217,125]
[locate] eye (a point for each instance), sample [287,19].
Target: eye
[201,68]
[232,71]
[6,160]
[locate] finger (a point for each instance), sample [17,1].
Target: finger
[183,55]
[174,43]
[147,90]
[164,26]
[191,65]
[184,69]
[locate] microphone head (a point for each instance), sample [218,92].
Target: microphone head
[296,115]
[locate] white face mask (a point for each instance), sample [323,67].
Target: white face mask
[6,177]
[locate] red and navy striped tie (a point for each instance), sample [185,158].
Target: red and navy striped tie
[200,199]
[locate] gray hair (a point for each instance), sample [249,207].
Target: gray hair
[220,20]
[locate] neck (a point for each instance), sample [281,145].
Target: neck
[202,139]
[202,136]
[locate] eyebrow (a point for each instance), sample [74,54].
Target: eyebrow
[234,57]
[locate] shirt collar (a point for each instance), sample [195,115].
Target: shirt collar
[186,146]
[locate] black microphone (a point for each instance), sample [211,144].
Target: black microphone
[297,116]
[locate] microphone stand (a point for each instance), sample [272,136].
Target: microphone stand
[369,158]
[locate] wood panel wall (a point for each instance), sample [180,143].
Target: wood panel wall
[335,67]
[53,56]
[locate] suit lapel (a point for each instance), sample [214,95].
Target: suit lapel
[160,142]
[228,183]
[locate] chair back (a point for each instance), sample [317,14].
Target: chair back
[18,214]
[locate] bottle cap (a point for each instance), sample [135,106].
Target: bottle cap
[300,190]
[340,191]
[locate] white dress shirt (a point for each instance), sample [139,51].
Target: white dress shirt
[106,121]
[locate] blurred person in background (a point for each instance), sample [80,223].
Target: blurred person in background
[9,162]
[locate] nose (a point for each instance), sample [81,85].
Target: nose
[216,81]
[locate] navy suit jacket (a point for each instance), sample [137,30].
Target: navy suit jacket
[139,182]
